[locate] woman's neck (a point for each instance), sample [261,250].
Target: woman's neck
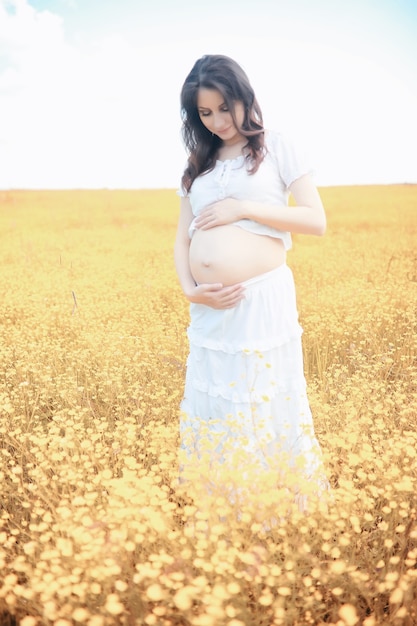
[233,150]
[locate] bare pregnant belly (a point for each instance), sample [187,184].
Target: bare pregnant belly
[229,254]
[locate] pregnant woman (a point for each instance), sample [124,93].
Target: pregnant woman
[245,414]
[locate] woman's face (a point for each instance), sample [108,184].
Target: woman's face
[217,118]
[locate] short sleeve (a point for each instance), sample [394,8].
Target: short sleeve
[291,164]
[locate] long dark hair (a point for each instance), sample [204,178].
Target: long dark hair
[226,76]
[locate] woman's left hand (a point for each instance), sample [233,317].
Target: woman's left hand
[222,212]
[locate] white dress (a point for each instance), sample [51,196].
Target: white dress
[245,415]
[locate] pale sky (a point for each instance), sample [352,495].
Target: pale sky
[89,89]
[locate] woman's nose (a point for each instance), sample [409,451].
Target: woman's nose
[218,122]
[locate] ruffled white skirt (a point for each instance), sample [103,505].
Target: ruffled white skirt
[245,415]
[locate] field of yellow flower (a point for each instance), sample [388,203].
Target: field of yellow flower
[94,528]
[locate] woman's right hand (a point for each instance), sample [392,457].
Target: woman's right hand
[216,296]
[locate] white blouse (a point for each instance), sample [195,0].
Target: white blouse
[230,179]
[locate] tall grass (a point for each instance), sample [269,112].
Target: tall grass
[94,527]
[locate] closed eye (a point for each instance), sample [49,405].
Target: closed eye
[223,109]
